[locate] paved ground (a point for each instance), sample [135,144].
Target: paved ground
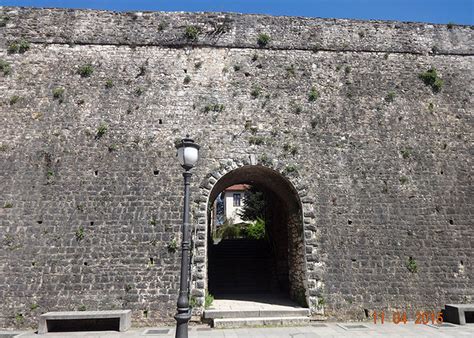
[335,330]
[316,329]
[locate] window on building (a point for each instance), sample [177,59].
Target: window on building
[237,198]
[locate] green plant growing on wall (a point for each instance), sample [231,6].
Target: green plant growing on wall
[8,205]
[450,25]
[34,306]
[162,26]
[403,180]
[411,265]
[58,94]
[19,318]
[291,149]
[256,91]
[19,47]
[263,39]
[177,142]
[172,246]
[431,78]
[109,84]
[80,234]
[4,20]
[347,70]
[8,240]
[390,97]
[291,70]
[435,50]
[198,65]
[50,174]
[265,160]
[214,107]
[430,107]
[256,140]
[406,153]
[313,95]
[297,109]
[321,301]
[14,99]
[192,302]
[101,130]
[290,169]
[138,92]
[5,67]
[192,32]
[86,70]
[81,308]
[208,300]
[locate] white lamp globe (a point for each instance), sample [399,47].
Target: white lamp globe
[188,153]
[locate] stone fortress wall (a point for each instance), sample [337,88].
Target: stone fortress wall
[91,103]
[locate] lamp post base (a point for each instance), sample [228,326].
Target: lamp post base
[182,320]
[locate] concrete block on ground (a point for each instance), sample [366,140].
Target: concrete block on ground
[124,317]
[456,313]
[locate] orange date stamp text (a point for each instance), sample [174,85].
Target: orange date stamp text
[421,317]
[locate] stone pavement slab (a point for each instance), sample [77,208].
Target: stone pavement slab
[316,330]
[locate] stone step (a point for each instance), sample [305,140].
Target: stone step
[245,314]
[259,321]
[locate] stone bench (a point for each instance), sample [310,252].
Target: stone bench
[118,320]
[456,313]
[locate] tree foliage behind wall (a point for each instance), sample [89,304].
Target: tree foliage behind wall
[253,207]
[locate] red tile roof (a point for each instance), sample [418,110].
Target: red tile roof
[238,187]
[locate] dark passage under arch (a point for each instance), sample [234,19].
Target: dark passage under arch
[275,264]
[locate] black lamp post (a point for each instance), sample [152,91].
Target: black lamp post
[188,155]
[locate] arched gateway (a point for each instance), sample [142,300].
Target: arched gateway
[287,269]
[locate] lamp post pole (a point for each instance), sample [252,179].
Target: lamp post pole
[188,155]
[184,312]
